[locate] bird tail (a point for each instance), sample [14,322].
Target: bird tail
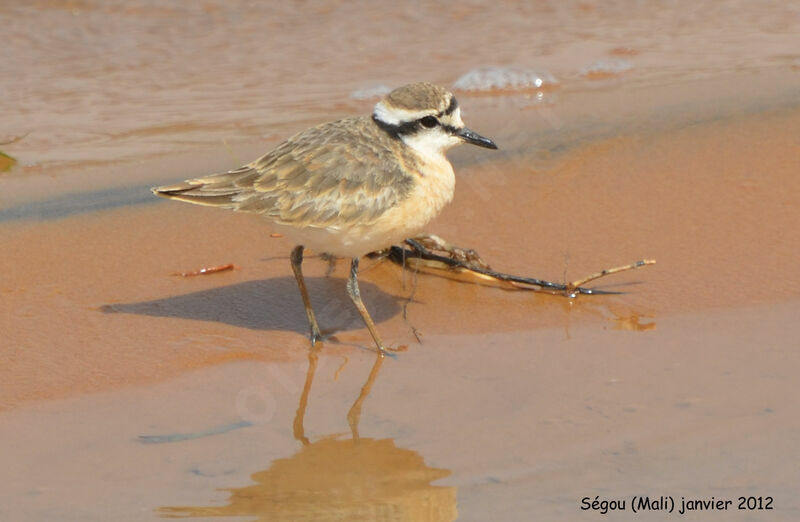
[217,190]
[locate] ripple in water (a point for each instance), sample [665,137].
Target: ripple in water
[503,79]
[606,68]
[370,93]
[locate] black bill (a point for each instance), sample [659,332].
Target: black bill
[476,139]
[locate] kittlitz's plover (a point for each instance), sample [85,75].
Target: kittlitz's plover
[351,186]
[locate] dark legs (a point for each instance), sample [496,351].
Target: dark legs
[355,295]
[352,291]
[297,260]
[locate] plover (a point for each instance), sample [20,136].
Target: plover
[352,186]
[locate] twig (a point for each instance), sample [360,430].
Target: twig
[609,271]
[469,260]
[206,271]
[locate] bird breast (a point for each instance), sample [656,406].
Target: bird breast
[434,184]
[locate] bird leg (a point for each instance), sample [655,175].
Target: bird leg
[297,261]
[355,295]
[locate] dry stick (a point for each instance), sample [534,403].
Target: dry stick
[207,270]
[397,253]
[609,271]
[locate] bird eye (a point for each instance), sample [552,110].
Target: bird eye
[429,122]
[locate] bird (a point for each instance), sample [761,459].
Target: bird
[349,187]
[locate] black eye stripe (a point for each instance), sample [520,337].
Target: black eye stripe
[410,127]
[396,130]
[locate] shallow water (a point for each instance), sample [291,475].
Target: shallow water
[99,82]
[130,393]
[493,426]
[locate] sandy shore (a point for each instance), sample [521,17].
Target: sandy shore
[514,403]
[490,425]
[91,302]
[132,393]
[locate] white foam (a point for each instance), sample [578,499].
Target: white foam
[490,78]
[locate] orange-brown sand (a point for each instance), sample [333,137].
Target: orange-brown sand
[91,302]
[130,393]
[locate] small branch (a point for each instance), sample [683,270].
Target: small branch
[609,271]
[457,258]
[206,271]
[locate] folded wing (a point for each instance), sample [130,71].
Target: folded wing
[331,175]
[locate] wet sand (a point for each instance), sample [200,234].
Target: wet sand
[130,393]
[491,426]
[103,283]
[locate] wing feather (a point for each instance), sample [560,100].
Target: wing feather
[335,174]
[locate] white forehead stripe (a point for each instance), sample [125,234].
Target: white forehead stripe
[455,118]
[394,116]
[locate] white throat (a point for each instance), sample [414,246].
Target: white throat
[431,145]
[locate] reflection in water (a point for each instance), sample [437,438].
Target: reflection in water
[632,321]
[338,479]
[623,317]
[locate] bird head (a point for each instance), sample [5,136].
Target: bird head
[427,118]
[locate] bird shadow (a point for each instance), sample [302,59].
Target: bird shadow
[270,304]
